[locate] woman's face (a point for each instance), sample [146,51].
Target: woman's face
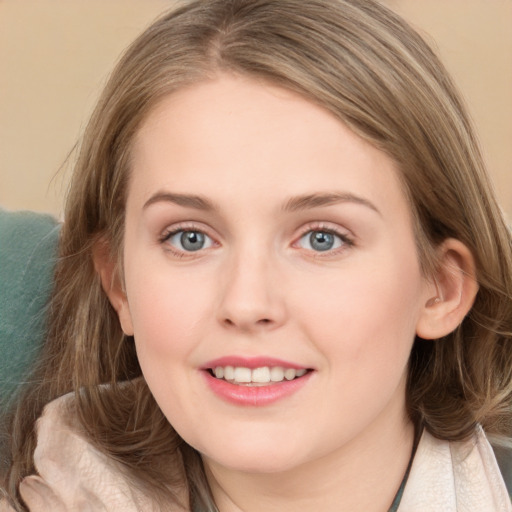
[264,242]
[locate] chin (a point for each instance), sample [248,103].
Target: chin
[263,464]
[252,454]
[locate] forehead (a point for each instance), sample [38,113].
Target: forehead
[235,133]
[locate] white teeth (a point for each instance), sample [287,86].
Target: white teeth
[229,373]
[262,375]
[289,374]
[276,374]
[242,374]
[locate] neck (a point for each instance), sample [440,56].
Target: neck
[365,475]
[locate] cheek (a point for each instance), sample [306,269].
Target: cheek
[366,315]
[169,315]
[167,310]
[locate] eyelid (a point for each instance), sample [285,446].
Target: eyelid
[324,226]
[186,226]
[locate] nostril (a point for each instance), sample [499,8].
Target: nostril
[263,321]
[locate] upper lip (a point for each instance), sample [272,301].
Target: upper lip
[251,362]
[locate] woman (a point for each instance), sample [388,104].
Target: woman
[284,279]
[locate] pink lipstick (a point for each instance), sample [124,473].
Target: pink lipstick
[255,381]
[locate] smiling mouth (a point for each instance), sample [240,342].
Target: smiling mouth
[262,376]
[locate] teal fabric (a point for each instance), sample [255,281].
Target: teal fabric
[28,246]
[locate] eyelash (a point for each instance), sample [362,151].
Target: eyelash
[346,240]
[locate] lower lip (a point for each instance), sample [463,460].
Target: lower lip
[255,396]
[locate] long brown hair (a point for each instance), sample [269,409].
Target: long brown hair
[365,65]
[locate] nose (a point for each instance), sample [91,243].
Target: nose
[252,297]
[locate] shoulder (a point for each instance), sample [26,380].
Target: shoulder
[71,473]
[453,476]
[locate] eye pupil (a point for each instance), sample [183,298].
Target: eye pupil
[192,240]
[321,241]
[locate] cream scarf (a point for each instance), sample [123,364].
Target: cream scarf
[74,476]
[455,477]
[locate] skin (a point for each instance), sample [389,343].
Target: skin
[258,288]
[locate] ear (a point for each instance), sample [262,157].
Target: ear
[452,291]
[107,268]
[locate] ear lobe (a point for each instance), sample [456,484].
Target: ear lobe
[107,269]
[453,292]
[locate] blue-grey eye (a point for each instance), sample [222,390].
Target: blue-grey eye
[190,241]
[320,241]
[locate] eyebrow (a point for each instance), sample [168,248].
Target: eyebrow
[309,201]
[294,204]
[186,200]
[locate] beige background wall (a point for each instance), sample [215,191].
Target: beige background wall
[56,54]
